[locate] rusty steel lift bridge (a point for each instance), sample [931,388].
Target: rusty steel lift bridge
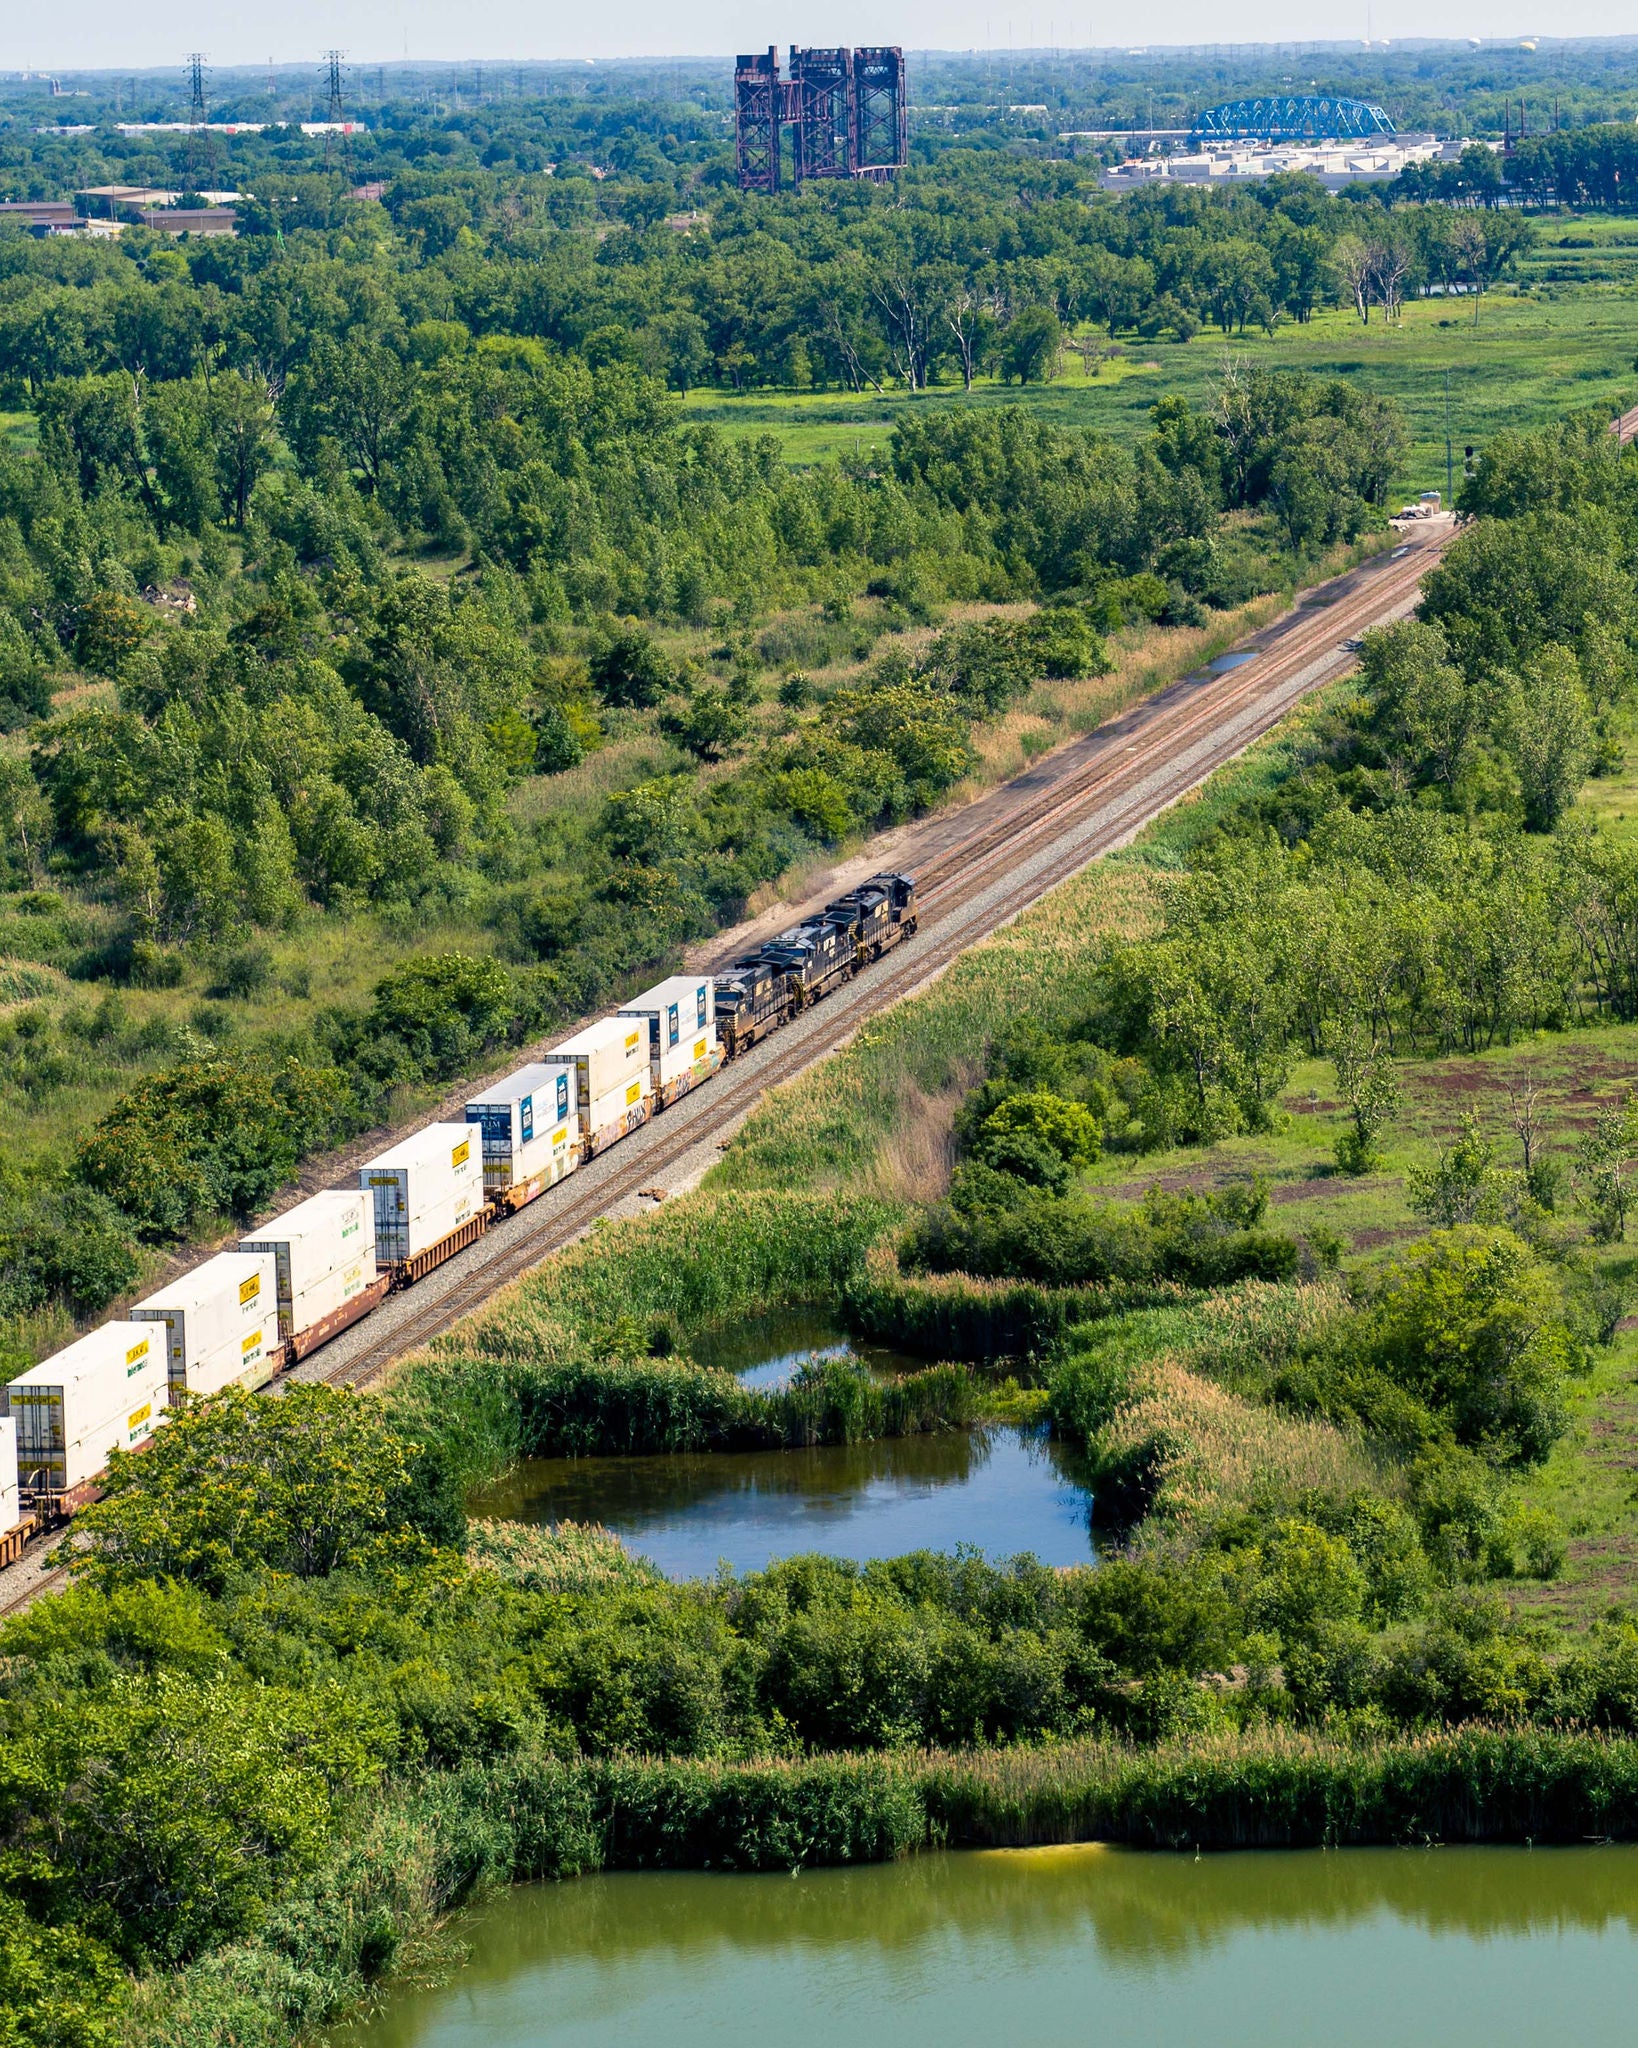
[844,110]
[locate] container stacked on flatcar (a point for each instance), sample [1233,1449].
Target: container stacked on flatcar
[301,1278]
[325,1276]
[11,1505]
[680,1016]
[610,1081]
[531,1134]
[105,1392]
[428,1193]
[221,1323]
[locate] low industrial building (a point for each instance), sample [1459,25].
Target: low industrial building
[1334,162]
[190,220]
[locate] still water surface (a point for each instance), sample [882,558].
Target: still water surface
[1087,1947]
[766,1351]
[1002,1489]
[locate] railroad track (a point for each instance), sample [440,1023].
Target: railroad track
[1135,767]
[1008,850]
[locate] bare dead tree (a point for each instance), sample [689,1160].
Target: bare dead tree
[1525,1112]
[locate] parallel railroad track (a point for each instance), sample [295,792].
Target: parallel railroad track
[1130,780]
[1013,852]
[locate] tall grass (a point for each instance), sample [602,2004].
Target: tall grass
[571,1557]
[635,1407]
[835,1127]
[700,1260]
[953,1315]
[557,1362]
[1184,1451]
[427,1845]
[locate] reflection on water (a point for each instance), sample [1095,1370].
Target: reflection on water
[765,1351]
[1362,1948]
[1003,1490]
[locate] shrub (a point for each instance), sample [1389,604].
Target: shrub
[209,1138]
[435,1015]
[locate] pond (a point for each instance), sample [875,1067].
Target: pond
[999,1488]
[1099,1948]
[766,1351]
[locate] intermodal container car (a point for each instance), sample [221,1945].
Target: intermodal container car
[107,1391]
[680,1015]
[221,1322]
[531,1133]
[11,1505]
[323,1254]
[425,1189]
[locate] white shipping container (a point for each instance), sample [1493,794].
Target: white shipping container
[617,1104]
[681,1016]
[87,1381]
[412,1235]
[530,1127]
[11,1507]
[605,1056]
[212,1307]
[552,1155]
[243,1361]
[104,1392]
[314,1240]
[519,1110]
[334,1291]
[59,1471]
[427,1178]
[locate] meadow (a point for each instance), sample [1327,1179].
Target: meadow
[1533,353]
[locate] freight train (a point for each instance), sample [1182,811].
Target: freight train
[297,1281]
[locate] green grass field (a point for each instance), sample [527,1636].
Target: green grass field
[1529,358]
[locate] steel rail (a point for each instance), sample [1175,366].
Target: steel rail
[1140,763]
[972,867]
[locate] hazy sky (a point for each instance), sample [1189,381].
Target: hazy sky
[111,32]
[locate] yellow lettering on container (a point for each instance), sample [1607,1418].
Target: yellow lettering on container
[137,1353]
[634,1092]
[631,1042]
[136,1420]
[462,1153]
[249,1289]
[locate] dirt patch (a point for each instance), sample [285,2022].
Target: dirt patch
[1330,1184]
[1376,1235]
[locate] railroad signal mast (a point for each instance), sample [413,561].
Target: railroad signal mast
[845,110]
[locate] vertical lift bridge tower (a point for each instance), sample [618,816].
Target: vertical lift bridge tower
[845,109]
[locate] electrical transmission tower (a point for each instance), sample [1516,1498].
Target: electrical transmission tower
[334,115]
[197,161]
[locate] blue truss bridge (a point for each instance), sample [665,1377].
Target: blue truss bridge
[1291,117]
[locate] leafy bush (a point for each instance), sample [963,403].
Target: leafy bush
[208,1139]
